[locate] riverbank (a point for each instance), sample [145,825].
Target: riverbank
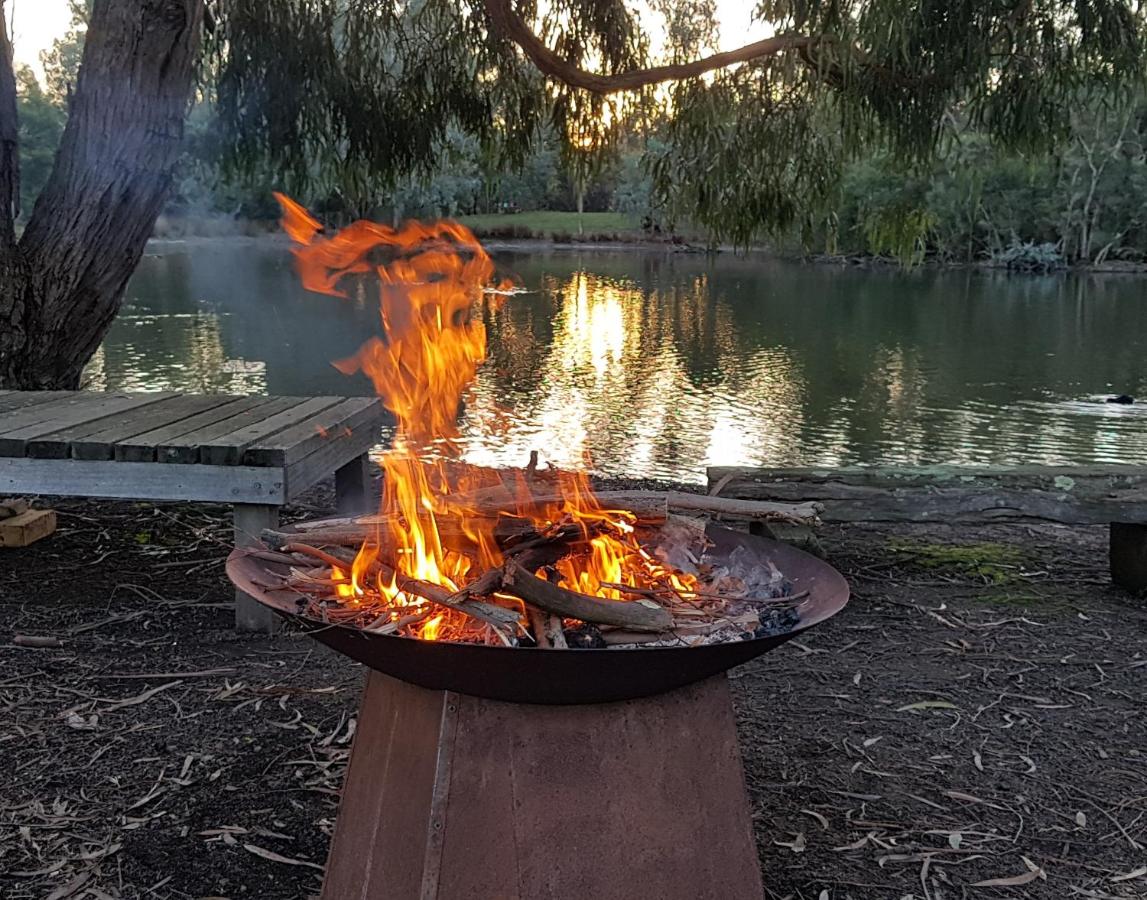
[959,722]
[521,239]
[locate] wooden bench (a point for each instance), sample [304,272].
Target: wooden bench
[255,453]
[1112,495]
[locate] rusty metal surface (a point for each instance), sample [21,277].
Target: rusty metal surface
[381,835]
[557,676]
[616,801]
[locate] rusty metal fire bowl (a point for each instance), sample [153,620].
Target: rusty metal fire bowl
[491,772]
[531,675]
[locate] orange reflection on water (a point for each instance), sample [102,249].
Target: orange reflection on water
[638,377]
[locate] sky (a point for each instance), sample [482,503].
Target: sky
[38,22]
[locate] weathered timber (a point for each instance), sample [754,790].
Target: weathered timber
[636,615]
[1129,556]
[951,494]
[27,527]
[650,507]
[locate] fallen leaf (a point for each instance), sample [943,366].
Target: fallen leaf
[955,839]
[67,890]
[978,760]
[1134,873]
[928,704]
[854,846]
[821,819]
[1014,881]
[279,858]
[1081,819]
[797,845]
[870,741]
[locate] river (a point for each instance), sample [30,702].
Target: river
[657,365]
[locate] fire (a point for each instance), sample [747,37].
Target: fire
[432,291]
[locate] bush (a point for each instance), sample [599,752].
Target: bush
[1029,256]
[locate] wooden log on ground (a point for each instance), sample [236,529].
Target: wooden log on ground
[636,615]
[1129,556]
[951,494]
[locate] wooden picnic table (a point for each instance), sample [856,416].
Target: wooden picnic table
[256,453]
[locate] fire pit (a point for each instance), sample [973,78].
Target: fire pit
[546,713]
[534,675]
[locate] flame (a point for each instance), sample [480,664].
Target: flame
[432,292]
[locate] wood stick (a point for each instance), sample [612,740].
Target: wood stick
[538,624]
[554,632]
[638,615]
[37,641]
[486,612]
[649,507]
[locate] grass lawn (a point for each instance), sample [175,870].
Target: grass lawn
[545,223]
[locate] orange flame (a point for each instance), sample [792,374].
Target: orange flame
[432,281]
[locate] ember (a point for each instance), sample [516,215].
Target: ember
[463,554]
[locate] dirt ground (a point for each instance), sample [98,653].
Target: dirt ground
[972,725]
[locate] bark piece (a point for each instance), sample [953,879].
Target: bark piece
[637,615]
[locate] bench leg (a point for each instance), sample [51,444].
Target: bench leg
[250,520]
[353,492]
[1129,556]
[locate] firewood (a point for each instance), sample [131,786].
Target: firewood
[538,626]
[486,612]
[554,632]
[638,615]
[37,641]
[453,536]
[648,507]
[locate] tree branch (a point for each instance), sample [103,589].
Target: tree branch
[512,26]
[9,140]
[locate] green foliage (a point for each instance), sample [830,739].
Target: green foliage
[41,124]
[62,61]
[1030,257]
[355,95]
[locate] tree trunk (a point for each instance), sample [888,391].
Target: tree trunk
[580,203]
[63,281]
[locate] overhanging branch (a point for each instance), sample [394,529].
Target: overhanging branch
[503,17]
[9,140]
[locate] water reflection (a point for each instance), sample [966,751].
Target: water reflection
[656,365]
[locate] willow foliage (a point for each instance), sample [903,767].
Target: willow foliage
[363,91]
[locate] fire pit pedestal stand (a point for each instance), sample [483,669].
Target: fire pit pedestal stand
[453,796]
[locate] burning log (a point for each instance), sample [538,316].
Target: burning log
[638,615]
[497,616]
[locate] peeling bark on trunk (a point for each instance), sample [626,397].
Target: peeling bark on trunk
[63,281]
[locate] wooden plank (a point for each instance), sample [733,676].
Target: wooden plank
[330,456]
[58,444]
[142,481]
[229,449]
[35,413]
[13,400]
[1075,496]
[298,441]
[354,492]
[27,528]
[53,417]
[101,442]
[143,447]
[250,520]
[185,448]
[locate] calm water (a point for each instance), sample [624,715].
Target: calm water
[661,365]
